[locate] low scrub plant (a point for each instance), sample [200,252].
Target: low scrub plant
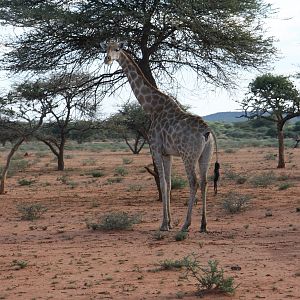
[20,264]
[181,235]
[170,264]
[285,186]
[127,161]
[114,180]
[115,221]
[263,180]
[31,211]
[210,278]
[97,174]
[178,182]
[235,203]
[121,171]
[25,181]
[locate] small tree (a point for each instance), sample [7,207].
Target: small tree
[12,112]
[68,98]
[274,98]
[133,123]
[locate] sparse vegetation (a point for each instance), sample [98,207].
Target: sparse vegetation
[31,211]
[97,174]
[169,264]
[178,182]
[19,264]
[209,278]
[127,161]
[263,180]
[115,221]
[285,186]
[114,180]
[235,203]
[181,235]
[25,181]
[121,171]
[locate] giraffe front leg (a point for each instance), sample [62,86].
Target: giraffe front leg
[159,161]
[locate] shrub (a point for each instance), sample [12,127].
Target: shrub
[97,174]
[25,181]
[263,180]
[114,180]
[181,235]
[127,161]
[121,171]
[114,221]
[31,211]
[169,264]
[210,278]
[178,183]
[20,264]
[285,186]
[234,202]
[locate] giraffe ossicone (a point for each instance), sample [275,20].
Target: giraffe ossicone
[173,132]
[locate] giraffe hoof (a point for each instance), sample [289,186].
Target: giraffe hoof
[204,230]
[164,227]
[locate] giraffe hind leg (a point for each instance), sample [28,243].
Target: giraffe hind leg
[204,162]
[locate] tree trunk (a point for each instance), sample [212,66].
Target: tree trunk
[6,167]
[60,158]
[281,163]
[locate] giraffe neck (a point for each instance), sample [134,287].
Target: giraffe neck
[150,98]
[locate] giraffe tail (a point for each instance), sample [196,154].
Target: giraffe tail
[217,166]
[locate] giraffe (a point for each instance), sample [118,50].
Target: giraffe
[173,132]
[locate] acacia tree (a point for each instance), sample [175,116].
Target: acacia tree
[211,38]
[23,119]
[68,98]
[274,98]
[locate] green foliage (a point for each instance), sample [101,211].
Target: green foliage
[115,221]
[159,235]
[285,186]
[263,180]
[121,171]
[114,180]
[31,211]
[239,42]
[97,174]
[25,181]
[127,161]
[210,278]
[178,182]
[235,203]
[169,264]
[20,264]
[181,235]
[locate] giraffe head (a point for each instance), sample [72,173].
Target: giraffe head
[112,50]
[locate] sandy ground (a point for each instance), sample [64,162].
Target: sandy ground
[66,260]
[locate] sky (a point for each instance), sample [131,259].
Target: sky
[203,99]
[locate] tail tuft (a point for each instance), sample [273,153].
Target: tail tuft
[216,177]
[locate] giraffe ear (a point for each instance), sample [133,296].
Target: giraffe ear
[122,45]
[103,47]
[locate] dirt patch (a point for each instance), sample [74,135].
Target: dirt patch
[63,259]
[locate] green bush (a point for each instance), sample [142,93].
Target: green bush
[178,183]
[234,202]
[210,278]
[31,211]
[114,221]
[181,235]
[121,171]
[25,181]
[263,180]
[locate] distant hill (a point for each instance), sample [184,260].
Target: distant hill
[225,117]
[233,116]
